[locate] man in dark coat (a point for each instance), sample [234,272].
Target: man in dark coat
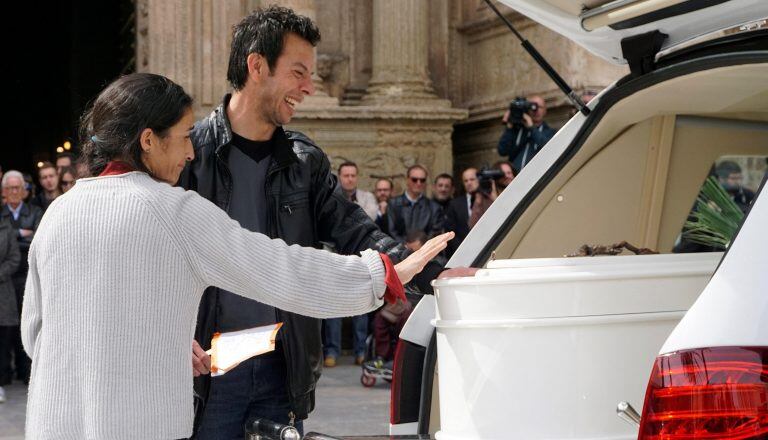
[522,140]
[458,211]
[383,192]
[24,219]
[9,311]
[412,210]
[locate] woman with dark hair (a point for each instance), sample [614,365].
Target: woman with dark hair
[119,263]
[67,177]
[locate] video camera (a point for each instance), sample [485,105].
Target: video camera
[518,108]
[486,176]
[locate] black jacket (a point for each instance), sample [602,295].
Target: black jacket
[457,220]
[520,143]
[29,218]
[403,217]
[303,209]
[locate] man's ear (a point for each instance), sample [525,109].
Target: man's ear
[257,66]
[146,140]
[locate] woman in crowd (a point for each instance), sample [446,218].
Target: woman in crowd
[120,262]
[67,177]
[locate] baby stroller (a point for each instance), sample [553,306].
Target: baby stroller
[374,368]
[380,346]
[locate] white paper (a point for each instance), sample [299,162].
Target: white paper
[231,348]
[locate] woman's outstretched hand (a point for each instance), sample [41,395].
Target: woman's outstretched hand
[415,262]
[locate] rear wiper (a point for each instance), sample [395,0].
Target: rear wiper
[576,100]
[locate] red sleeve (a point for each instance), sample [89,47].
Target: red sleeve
[395,288]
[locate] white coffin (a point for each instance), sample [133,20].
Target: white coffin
[546,348]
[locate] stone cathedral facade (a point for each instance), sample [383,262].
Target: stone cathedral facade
[399,82]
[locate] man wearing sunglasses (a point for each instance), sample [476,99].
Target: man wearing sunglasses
[412,211]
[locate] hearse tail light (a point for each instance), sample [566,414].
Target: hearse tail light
[708,393]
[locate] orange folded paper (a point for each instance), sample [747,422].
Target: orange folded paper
[230,348]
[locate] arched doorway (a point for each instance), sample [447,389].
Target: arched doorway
[58,56]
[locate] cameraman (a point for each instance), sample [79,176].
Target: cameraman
[526,131]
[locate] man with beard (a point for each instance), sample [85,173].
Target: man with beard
[383,192]
[442,190]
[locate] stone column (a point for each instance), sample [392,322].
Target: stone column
[321,97]
[400,54]
[188,41]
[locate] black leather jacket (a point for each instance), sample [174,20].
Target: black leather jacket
[303,209]
[403,217]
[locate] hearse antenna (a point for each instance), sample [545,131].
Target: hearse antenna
[576,100]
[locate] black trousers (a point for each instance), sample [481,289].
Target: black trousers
[6,350]
[22,362]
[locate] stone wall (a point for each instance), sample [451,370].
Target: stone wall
[491,68]
[401,81]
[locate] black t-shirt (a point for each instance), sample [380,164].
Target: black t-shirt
[248,162]
[256,150]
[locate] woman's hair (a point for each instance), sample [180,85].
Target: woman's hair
[66,170]
[110,129]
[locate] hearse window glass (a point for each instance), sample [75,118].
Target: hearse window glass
[722,201]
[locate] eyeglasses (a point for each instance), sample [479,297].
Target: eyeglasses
[418,179]
[13,188]
[67,182]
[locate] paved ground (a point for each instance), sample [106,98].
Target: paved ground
[12,412]
[343,406]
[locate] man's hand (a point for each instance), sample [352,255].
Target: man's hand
[201,362]
[494,191]
[505,118]
[415,262]
[527,121]
[26,233]
[457,272]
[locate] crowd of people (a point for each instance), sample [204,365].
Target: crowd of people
[410,218]
[129,277]
[22,208]
[140,135]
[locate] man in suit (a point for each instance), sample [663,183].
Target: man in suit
[24,218]
[383,192]
[458,211]
[412,210]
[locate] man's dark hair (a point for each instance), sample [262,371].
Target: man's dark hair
[725,168]
[347,164]
[66,154]
[416,235]
[263,32]
[498,165]
[416,167]
[45,166]
[110,129]
[444,176]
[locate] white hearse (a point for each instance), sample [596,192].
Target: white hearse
[538,346]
